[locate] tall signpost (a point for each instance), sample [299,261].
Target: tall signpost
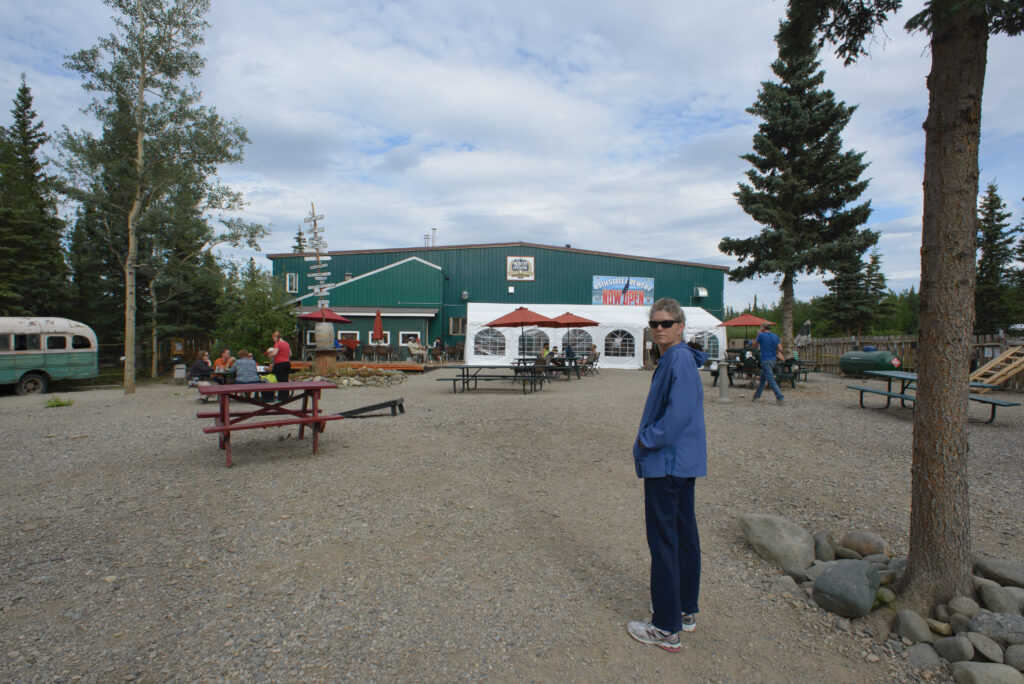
[324,328]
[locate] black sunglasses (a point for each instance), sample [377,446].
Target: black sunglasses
[664,324]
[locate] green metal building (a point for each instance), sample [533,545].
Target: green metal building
[424,291]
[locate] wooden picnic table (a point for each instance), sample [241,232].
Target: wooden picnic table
[227,421]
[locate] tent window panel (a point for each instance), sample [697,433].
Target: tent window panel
[489,342]
[620,343]
[579,339]
[708,342]
[532,342]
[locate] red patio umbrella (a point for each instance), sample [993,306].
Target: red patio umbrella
[571,320]
[522,317]
[323,315]
[744,321]
[378,328]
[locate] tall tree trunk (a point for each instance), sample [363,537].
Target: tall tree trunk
[154,341]
[787,314]
[132,259]
[130,265]
[939,564]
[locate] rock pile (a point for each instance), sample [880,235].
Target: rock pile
[364,377]
[983,639]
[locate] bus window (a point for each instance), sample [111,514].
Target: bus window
[26,342]
[5,342]
[56,342]
[80,342]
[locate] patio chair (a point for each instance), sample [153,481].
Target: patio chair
[436,355]
[369,352]
[590,365]
[451,352]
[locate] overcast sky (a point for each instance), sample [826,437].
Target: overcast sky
[605,125]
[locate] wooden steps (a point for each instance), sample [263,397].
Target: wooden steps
[1000,369]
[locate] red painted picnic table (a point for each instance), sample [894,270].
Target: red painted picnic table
[227,421]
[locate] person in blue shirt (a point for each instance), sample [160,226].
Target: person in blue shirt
[669,453]
[770,348]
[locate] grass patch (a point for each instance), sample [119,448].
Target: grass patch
[57,402]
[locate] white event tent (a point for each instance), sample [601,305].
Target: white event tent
[613,321]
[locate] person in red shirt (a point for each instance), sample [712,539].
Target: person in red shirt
[281,360]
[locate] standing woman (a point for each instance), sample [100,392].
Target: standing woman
[281,361]
[670,452]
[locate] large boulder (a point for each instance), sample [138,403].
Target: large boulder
[999,600]
[847,588]
[1003,628]
[864,543]
[778,540]
[824,546]
[912,626]
[1014,657]
[1006,572]
[954,648]
[986,673]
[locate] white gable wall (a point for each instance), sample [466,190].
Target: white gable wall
[632,319]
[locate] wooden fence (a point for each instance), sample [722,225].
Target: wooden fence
[824,353]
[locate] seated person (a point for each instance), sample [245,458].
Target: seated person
[224,361]
[545,351]
[201,369]
[417,350]
[554,358]
[245,369]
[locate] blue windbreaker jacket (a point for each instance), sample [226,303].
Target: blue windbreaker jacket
[671,440]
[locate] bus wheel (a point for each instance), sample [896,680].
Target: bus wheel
[31,383]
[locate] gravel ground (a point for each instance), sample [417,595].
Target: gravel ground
[488,536]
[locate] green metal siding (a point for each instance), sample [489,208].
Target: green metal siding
[562,277]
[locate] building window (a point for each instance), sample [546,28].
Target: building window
[708,342]
[386,340]
[56,342]
[532,342]
[619,343]
[348,335]
[406,336]
[489,342]
[5,342]
[456,326]
[579,339]
[78,342]
[291,282]
[311,338]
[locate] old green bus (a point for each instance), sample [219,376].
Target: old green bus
[37,351]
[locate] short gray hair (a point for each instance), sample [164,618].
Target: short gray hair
[671,307]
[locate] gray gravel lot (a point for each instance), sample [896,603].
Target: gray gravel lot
[490,536]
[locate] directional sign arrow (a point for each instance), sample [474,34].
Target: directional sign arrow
[310,219]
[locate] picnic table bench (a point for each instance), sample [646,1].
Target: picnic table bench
[227,421]
[908,382]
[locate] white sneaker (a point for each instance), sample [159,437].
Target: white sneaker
[689,619]
[646,633]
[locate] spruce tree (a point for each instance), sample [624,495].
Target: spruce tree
[993,306]
[299,246]
[803,186]
[857,296]
[31,255]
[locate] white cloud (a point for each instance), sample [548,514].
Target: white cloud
[607,126]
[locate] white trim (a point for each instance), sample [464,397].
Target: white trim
[371,314]
[291,282]
[310,337]
[348,332]
[416,333]
[365,275]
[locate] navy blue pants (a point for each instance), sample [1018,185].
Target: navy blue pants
[675,549]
